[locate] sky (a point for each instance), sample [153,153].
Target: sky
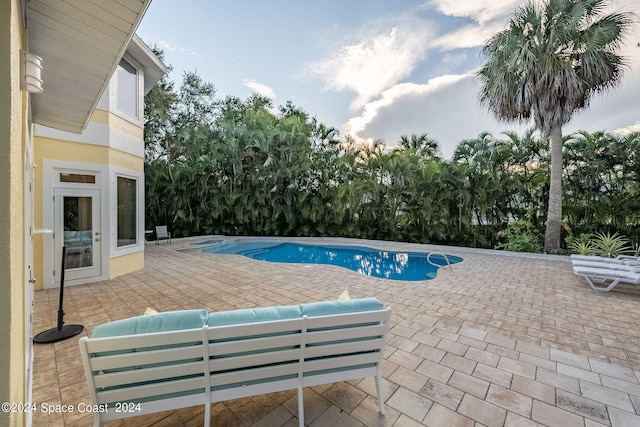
[372,69]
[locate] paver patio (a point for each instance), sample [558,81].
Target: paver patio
[497,340]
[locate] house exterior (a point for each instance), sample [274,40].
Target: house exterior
[73,81]
[90,186]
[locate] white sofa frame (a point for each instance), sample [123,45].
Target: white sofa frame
[177,369]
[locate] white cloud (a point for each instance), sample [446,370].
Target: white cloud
[469,36]
[378,67]
[260,88]
[628,130]
[489,16]
[481,11]
[375,62]
[448,112]
[356,125]
[166,46]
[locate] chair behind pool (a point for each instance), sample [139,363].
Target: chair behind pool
[162,234]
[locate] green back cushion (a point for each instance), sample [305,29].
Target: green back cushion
[340,306]
[252,315]
[167,321]
[189,319]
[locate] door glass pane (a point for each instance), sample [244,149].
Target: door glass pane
[78,232]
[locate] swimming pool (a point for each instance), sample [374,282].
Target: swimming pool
[391,265]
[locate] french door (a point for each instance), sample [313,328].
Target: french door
[77,227]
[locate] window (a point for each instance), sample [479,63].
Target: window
[77,178]
[127,212]
[127,100]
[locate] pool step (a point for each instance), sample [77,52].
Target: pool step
[252,253]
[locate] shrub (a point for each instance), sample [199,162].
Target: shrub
[520,236]
[608,245]
[581,245]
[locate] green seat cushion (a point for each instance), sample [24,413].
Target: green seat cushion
[161,322]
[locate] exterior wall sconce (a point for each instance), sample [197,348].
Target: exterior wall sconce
[31,73]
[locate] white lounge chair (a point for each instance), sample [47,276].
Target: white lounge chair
[620,259]
[605,279]
[607,265]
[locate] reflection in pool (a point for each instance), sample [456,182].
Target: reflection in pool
[369,261]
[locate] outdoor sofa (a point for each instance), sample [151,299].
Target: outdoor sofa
[179,359]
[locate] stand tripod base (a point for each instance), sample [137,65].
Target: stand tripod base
[55,335]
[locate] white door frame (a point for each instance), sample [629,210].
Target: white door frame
[29,183]
[51,182]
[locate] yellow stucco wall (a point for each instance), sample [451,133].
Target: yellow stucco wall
[125,264]
[57,149]
[106,118]
[12,220]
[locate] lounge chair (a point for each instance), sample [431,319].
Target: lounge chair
[604,279]
[162,234]
[613,265]
[620,259]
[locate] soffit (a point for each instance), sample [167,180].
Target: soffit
[80,43]
[154,69]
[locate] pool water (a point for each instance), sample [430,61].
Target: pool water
[369,261]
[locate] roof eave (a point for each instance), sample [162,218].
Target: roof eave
[154,69]
[81,44]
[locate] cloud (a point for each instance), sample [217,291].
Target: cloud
[489,17]
[381,66]
[377,60]
[388,97]
[628,130]
[260,88]
[167,47]
[468,36]
[449,112]
[481,11]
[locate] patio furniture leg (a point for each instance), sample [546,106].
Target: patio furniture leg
[380,393]
[300,406]
[207,415]
[603,289]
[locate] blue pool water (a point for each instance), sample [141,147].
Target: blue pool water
[371,262]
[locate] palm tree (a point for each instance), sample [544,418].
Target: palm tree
[423,145]
[549,61]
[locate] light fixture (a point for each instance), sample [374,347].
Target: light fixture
[31,73]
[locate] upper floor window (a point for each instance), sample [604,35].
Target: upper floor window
[127,88]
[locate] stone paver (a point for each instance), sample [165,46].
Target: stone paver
[499,340]
[536,390]
[582,406]
[511,400]
[440,416]
[553,416]
[482,411]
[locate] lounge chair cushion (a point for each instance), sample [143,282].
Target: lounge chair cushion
[161,322]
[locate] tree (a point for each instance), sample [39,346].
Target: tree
[549,61]
[159,104]
[422,145]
